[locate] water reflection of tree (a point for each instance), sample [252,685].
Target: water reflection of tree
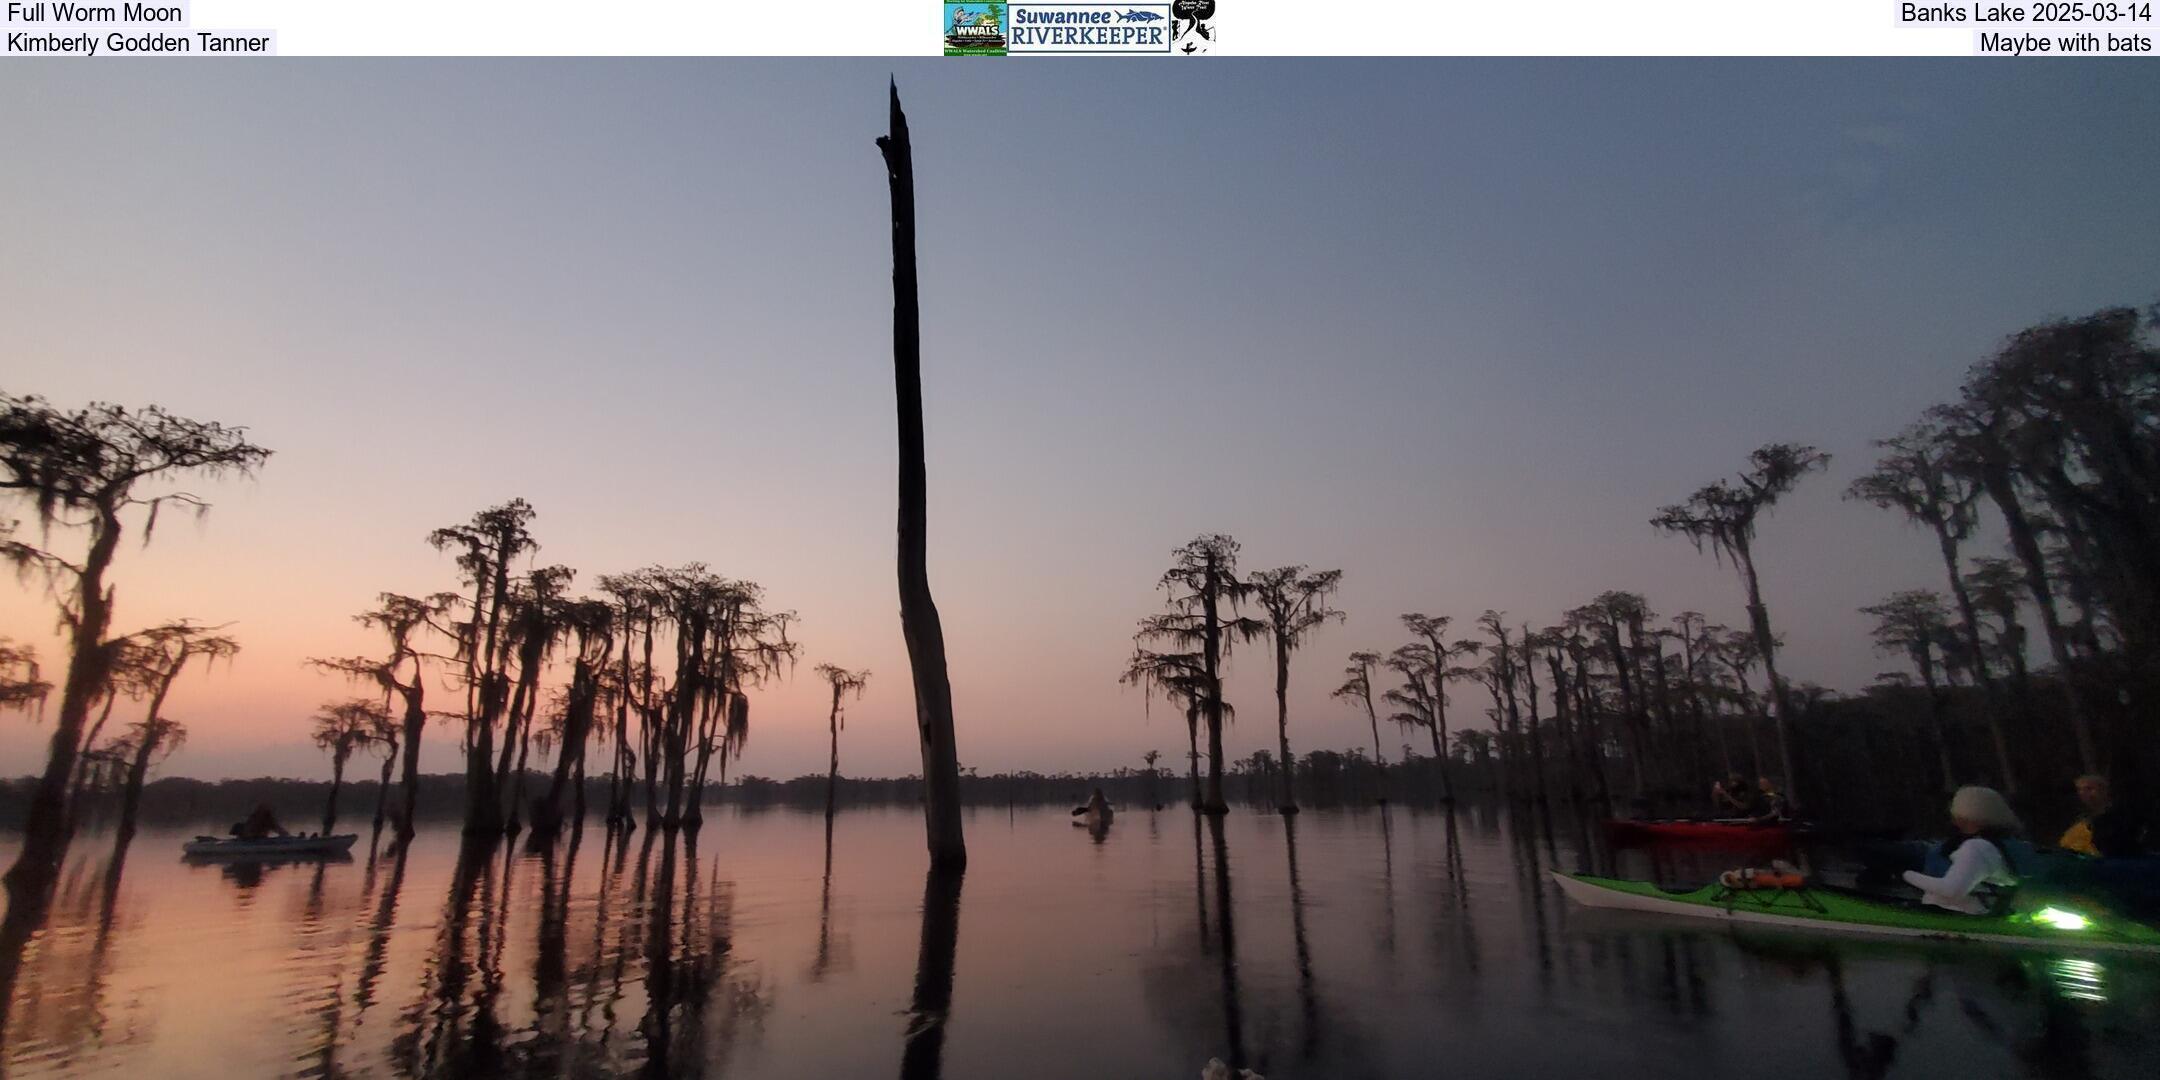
[1387,889]
[1308,995]
[1458,949]
[1866,1058]
[1192,985]
[699,1005]
[63,979]
[1530,883]
[2059,1045]
[922,1056]
[378,941]
[436,1036]
[1226,946]
[832,954]
[551,965]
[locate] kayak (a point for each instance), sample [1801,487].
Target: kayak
[1092,820]
[1836,911]
[1687,830]
[269,846]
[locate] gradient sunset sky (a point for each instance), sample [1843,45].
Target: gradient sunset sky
[1457,328]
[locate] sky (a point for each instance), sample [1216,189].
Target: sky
[1457,328]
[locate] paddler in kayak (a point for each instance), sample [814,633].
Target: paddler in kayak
[1730,797]
[1984,823]
[1771,807]
[2105,830]
[260,823]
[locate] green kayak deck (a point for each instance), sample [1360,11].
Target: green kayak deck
[1835,911]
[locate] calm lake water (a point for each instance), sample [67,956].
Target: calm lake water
[1368,943]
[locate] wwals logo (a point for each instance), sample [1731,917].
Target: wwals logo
[975,29]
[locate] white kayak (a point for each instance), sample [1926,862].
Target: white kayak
[269,846]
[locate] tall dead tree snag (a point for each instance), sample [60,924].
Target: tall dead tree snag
[918,612]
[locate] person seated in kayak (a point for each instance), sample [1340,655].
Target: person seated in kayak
[261,823]
[1098,807]
[1731,797]
[2105,830]
[1771,808]
[1984,823]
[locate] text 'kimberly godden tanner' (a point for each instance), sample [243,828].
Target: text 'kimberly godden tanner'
[154,42]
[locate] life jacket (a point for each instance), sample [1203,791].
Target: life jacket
[2079,838]
[1762,878]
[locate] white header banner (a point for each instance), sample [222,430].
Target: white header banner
[1163,32]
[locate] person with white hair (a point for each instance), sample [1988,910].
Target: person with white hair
[1984,821]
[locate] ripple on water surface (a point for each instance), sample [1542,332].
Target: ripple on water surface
[1359,943]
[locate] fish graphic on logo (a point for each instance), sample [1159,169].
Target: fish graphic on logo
[1129,15]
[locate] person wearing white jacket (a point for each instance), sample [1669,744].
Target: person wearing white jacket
[1984,820]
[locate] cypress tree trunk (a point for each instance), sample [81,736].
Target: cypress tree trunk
[382,790]
[337,781]
[919,622]
[1536,730]
[1440,737]
[482,813]
[832,769]
[1213,803]
[1991,699]
[82,769]
[1379,756]
[415,720]
[1286,792]
[131,795]
[625,762]
[1759,617]
[1192,750]
[1923,659]
[29,882]
[570,758]
[1630,720]
[2002,491]
[514,793]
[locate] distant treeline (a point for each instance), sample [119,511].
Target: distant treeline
[179,800]
[1869,757]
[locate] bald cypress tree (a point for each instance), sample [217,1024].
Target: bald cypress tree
[1205,595]
[1915,476]
[843,683]
[486,547]
[1722,517]
[402,620]
[1357,688]
[1295,603]
[98,473]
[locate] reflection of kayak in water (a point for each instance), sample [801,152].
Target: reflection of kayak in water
[1812,907]
[269,847]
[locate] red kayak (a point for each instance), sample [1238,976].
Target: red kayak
[1698,831]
